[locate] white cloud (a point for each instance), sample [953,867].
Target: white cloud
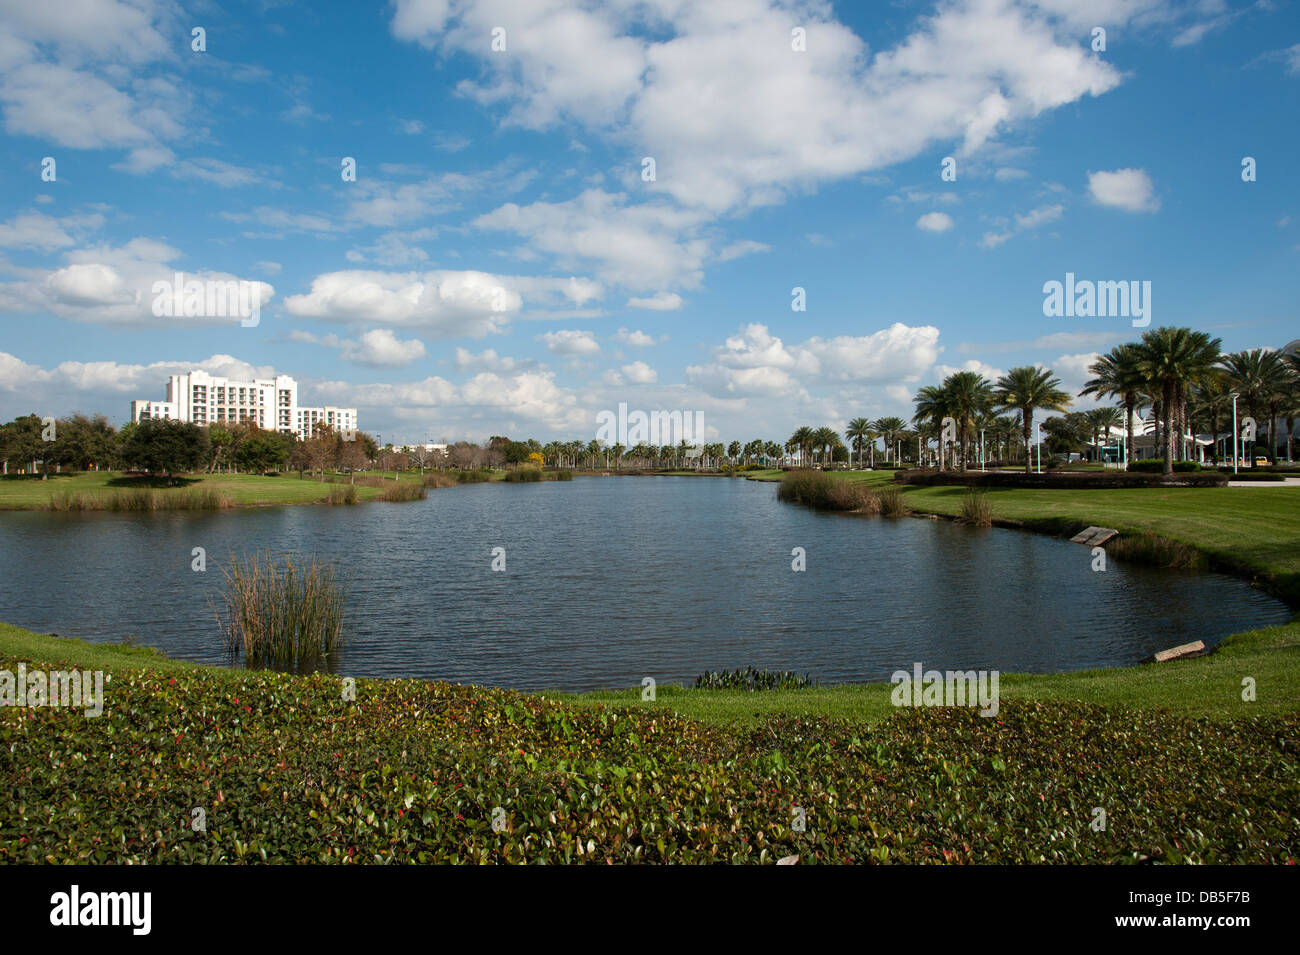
[114,287]
[714,97]
[444,303]
[634,339]
[755,362]
[1023,223]
[660,302]
[489,360]
[643,247]
[35,230]
[935,222]
[639,373]
[744,247]
[380,348]
[569,341]
[1127,189]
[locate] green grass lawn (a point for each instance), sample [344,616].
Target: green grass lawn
[28,493]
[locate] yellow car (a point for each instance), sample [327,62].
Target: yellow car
[1261,462]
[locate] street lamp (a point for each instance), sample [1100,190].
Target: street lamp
[1235,396]
[1038,446]
[981,449]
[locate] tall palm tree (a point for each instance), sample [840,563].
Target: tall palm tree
[931,408]
[802,439]
[826,439]
[967,395]
[859,432]
[1028,389]
[1118,374]
[890,429]
[1174,359]
[1102,420]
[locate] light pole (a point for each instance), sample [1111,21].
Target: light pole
[1235,396]
[981,449]
[1038,446]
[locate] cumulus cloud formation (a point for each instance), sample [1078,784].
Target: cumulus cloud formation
[639,373]
[662,302]
[615,67]
[444,303]
[380,348]
[1127,189]
[115,287]
[935,222]
[569,341]
[755,362]
[634,339]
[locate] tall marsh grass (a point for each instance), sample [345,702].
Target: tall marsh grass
[282,615]
[975,508]
[403,491]
[821,491]
[1157,551]
[141,499]
[892,502]
[341,494]
[439,479]
[523,475]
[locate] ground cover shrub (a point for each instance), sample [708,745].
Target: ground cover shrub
[287,770]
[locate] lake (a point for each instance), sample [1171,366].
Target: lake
[609,580]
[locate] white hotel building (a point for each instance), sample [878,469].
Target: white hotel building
[270,403]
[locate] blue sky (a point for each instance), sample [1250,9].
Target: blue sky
[501,266]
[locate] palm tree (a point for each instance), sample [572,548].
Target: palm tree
[1119,375]
[1028,389]
[967,395]
[931,408]
[1174,359]
[859,432]
[890,429]
[1102,420]
[802,439]
[826,439]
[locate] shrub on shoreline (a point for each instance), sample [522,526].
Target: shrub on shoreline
[975,508]
[523,476]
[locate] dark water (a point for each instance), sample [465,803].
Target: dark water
[611,580]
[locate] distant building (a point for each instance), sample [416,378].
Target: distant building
[270,403]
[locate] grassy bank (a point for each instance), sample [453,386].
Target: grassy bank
[1252,531]
[288,769]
